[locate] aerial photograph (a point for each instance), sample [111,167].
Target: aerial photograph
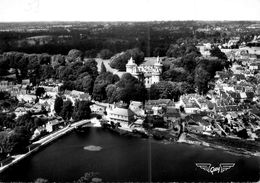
[129,91]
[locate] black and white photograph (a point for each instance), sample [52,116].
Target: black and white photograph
[129,91]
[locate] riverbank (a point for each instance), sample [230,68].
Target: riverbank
[125,159]
[43,142]
[165,136]
[234,146]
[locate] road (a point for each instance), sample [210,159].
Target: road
[44,141]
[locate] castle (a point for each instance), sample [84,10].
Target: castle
[149,73]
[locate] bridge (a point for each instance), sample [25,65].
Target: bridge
[35,146]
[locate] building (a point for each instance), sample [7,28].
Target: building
[54,125]
[137,108]
[123,116]
[171,114]
[38,131]
[75,95]
[149,72]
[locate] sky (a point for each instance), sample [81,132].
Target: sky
[128,10]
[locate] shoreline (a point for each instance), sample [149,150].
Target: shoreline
[42,143]
[225,148]
[96,124]
[228,149]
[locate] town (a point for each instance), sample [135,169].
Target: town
[198,92]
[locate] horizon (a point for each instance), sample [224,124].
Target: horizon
[128,11]
[122,21]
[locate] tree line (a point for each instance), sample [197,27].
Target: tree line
[184,71]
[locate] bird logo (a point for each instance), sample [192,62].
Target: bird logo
[211,169]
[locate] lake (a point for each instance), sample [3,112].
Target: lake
[100,153]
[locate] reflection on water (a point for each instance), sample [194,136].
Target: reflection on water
[92,148]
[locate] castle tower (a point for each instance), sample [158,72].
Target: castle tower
[130,66]
[158,65]
[157,71]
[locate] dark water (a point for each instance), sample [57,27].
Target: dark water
[126,159]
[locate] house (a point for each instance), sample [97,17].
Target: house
[98,108]
[235,96]
[206,125]
[54,125]
[190,103]
[138,123]
[171,114]
[194,127]
[19,111]
[155,107]
[239,77]
[243,96]
[50,88]
[76,95]
[137,108]
[26,97]
[253,67]
[123,116]
[85,97]
[156,110]
[38,131]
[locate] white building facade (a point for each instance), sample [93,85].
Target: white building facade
[149,73]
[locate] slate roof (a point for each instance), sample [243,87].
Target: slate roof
[121,111]
[172,112]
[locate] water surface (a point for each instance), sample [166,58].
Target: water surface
[123,158]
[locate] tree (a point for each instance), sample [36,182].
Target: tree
[7,120]
[189,62]
[103,68]
[216,52]
[87,84]
[186,87]
[174,51]
[57,60]
[26,121]
[105,54]
[126,89]
[15,141]
[39,91]
[46,72]
[111,91]
[90,53]
[4,146]
[165,90]
[92,69]
[81,110]
[158,51]
[67,110]
[202,77]
[44,59]
[75,55]
[120,60]
[4,66]
[84,83]
[58,104]
[19,139]
[179,50]
[100,84]
[176,74]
